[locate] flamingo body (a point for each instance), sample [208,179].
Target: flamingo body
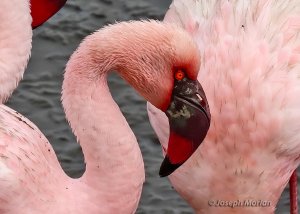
[250,63]
[32,181]
[18,173]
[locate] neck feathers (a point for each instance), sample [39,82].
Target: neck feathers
[114,165]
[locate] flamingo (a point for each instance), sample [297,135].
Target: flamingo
[250,54]
[16,22]
[161,61]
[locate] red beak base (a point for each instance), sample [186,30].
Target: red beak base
[42,10]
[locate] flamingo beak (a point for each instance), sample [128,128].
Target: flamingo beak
[42,10]
[189,120]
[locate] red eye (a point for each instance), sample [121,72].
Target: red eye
[179,75]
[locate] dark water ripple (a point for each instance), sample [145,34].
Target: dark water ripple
[38,96]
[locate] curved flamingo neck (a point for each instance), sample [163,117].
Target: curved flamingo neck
[144,54]
[114,165]
[15,44]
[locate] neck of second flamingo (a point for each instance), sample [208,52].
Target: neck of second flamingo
[114,165]
[15,44]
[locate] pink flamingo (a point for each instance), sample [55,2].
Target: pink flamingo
[250,53]
[158,60]
[16,25]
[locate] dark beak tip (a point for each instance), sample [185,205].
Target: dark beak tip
[167,168]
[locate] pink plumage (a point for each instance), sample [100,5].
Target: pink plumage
[250,73]
[15,44]
[31,180]
[16,37]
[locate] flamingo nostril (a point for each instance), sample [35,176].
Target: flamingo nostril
[200,98]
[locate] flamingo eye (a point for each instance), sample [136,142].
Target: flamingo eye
[179,75]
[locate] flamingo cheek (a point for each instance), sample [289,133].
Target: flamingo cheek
[42,10]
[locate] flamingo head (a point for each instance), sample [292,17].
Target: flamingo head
[42,10]
[169,62]
[187,107]
[161,61]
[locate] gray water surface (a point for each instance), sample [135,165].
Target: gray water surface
[38,96]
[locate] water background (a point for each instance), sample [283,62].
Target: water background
[38,95]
